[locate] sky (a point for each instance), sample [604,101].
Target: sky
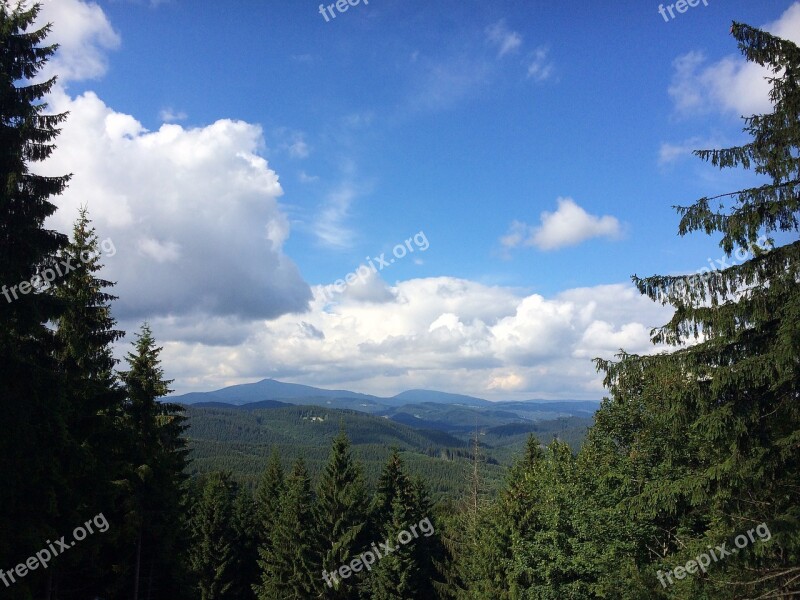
[441,195]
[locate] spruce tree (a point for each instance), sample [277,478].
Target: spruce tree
[342,511]
[393,482]
[402,502]
[732,396]
[158,459]
[397,575]
[212,554]
[291,570]
[34,434]
[247,534]
[268,495]
[267,504]
[94,400]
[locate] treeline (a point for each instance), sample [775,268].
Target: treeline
[288,540]
[235,440]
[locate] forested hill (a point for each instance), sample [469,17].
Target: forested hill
[239,440]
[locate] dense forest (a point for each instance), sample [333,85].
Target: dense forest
[238,441]
[686,485]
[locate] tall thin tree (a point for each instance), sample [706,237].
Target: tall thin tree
[31,401]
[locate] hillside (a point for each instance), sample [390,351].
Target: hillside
[240,438]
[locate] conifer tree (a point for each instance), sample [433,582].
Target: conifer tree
[31,402]
[733,395]
[393,482]
[268,496]
[397,575]
[94,400]
[247,534]
[291,570]
[158,458]
[212,554]
[402,502]
[341,515]
[268,493]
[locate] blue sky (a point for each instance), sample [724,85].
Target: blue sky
[243,155]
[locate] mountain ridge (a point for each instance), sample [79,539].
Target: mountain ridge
[272,389]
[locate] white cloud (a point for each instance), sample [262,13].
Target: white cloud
[539,68]
[441,333]
[730,85]
[193,213]
[569,225]
[507,41]
[84,35]
[330,223]
[169,115]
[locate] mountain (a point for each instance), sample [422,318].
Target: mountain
[268,389]
[293,393]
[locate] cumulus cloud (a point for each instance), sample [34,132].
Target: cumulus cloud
[442,333]
[731,85]
[193,212]
[503,38]
[569,225]
[84,35]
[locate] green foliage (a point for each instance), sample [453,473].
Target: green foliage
[212,555]
[247,533]
[694,446]
[731,397]
[34,439]
[290,565]
[94,458]
[341,515]
[155,504]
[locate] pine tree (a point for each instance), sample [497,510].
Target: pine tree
[400,503]
[341,516]
[732,397]
[212,554]
[85,333]
[247,534]
[158,459]
[394,482]
[268,496]
[462,536]
[31,401]
[397,575]
[291,570]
